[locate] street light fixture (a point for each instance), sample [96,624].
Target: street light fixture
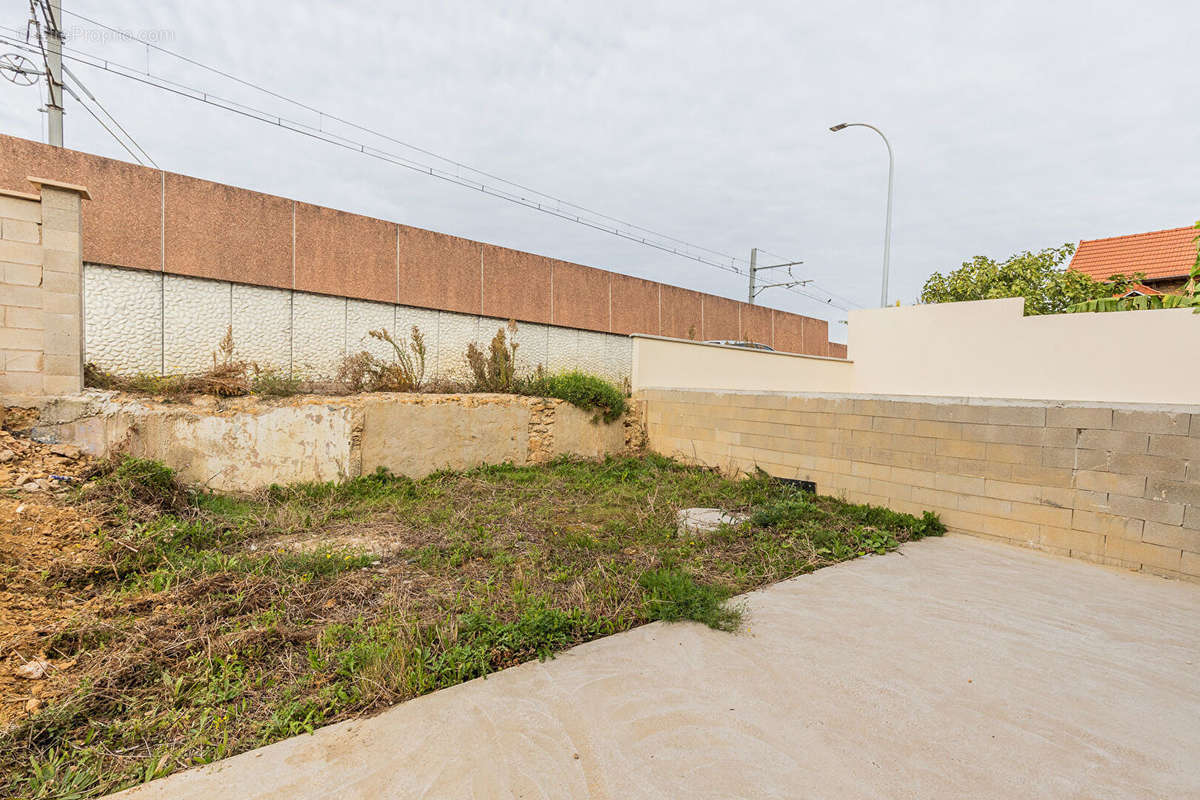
[887,231]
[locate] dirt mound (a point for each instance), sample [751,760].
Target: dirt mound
[42,531]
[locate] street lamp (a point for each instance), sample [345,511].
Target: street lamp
[887,231]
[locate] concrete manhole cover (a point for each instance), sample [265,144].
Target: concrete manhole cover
[706,520]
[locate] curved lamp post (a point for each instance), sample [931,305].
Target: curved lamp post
[887,232]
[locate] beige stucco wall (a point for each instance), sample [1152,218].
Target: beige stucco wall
[685,364]
[989,349]
[1117,483]
[978,349]
[243,444]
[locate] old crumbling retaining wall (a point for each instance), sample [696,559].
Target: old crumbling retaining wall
[242,444]
[1117,484]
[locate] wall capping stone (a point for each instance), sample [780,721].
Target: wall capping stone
[20,195]
[69,187]
[698,343]
[941,400]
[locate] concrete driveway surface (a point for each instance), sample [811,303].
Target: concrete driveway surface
[955,668]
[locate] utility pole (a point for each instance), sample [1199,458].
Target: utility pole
[755,269]
[54,106]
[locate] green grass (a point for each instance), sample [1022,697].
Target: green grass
[216,624]
[673,595]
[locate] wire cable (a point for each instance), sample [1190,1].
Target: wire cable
[75,79]
[728,263]
[88,109]
[182,90]
[394,140]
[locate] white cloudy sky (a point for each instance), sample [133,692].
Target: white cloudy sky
[1016,124]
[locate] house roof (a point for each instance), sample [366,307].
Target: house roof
[1158,254]
[1139,288]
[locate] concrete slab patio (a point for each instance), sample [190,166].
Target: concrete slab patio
[954,668]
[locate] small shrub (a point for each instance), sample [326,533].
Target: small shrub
[273,383]
[585,391]
[141,481]
[406,371]
[364,372]
[355,370]
[495,371]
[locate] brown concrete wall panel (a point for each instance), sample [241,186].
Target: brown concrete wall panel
[837,350]
[439,271]
[756,324]
[789,332]
[122,221]
[720,318]
[516,285]
[225,233]
[681,313]
[816,337]
[634,305]
[581,296]
[345,254]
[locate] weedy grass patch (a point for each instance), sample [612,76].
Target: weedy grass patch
[207,625]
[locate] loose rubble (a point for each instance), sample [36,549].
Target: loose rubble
[40,526]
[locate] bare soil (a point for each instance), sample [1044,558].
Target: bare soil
[42,533]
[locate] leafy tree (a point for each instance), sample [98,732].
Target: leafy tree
[1038,277]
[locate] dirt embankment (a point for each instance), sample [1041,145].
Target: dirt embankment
[42,531]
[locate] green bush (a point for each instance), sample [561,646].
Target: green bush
[585,391]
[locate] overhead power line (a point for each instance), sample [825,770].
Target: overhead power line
[365,129]
[88,109]
[75,80]
[556,206]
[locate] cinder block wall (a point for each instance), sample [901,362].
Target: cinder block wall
[41,310]
[1118,485]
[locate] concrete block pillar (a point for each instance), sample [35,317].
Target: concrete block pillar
[41,289]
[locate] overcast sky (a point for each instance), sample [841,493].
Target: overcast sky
[1015,125]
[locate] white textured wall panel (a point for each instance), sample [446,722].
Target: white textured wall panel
[318,334]
[123,319]
[363,316]
[563,350]
[533,342]
[590,356]
[426,320]
[618,358]
[262,326]
[196,317]
[126,329]
[455,332]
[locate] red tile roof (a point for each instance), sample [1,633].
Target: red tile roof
[1158,254]
[1139,288]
